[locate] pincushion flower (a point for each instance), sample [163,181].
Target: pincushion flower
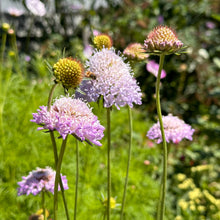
[70,116]
[69,72]
[162,40]
[112,78]
[153,68]
[135,51]
[39,180]
[102,41]
[175,130]
[36,7]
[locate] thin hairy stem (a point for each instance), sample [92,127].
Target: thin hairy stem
[57,178]
[77,178]
[128,162]
[109,162]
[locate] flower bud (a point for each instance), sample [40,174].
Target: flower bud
[69,72]
[102,40]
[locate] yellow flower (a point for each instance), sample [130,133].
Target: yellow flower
[69,72]
[178,217]
[201,168]
[102,40]
[183,204]
[188,183]
[195,194]
[112,202]
[181,176]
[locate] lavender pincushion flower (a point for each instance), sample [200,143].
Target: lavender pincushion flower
[175,130]
[39,180]
[113,80]
[70,116]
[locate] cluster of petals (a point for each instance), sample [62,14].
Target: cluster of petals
[162,39]
[175,130]
[113,79]
[39,180]
[70,116]
[153,68]
[36,7]
[135,51]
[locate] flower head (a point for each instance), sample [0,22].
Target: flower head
[69,72]
[15,12]
[113,79]
[70,116]
[175,130]
[162,40]
[39,180]
[36,7]
[153,68]
[102,40]
[5,27]
[135,51]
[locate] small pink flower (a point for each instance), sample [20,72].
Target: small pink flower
[153,68]
[147,162]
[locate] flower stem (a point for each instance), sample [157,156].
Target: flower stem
[58,178]
[161,206]
[128,162]
[77,178]
[43,204]
[55,150]
[109,162]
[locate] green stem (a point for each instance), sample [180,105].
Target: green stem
[43,204]
[55,150]
[128,162]
[4,36]
[109,162]
[161,207]
[77,178]
[57,178]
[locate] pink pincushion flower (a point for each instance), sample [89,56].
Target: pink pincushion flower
[153,68]
[39,180]
[175,130]
[36,7]
[70,116]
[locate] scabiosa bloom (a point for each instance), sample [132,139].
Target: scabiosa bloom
[69,72]
[112,79]
[70,116]
[162,40]
[15,12]
[39,180]
[102,40]
[153,68]
[135,51]
[175,130]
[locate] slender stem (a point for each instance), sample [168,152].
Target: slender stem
[77,178]
[43,205]
[51,96]
[161,207]
[109,162]
[55,150]
[128,162]
[57,178]
[4,36]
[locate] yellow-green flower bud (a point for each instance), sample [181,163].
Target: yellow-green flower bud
[102,40]
[5,27]
[69,72]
